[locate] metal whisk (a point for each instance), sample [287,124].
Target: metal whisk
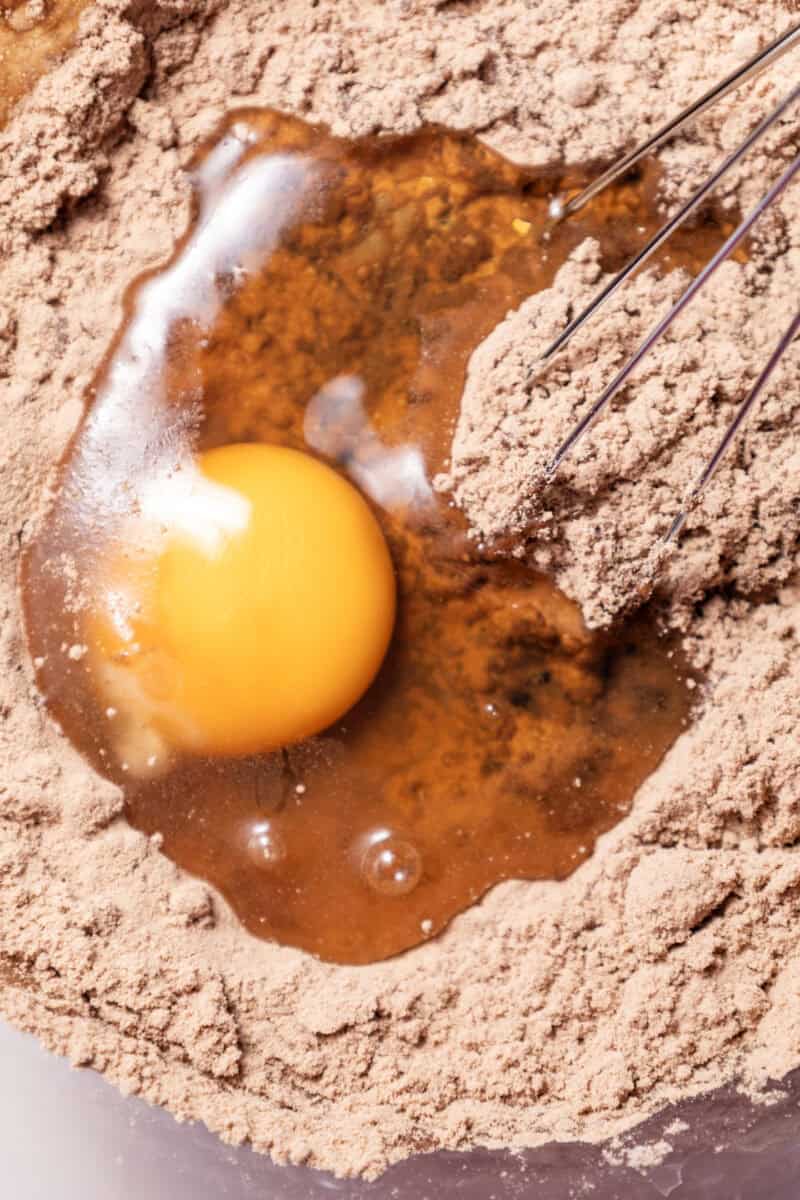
[562,207]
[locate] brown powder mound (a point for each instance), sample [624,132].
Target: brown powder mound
[54,153]
[33,33]
[616,495]
[668,963]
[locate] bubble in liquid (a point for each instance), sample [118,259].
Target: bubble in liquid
[391,865]
[265,844]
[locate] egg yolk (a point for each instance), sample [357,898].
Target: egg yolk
[259,614]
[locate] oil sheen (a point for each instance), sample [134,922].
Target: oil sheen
[326,299]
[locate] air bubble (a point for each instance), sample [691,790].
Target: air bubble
[391,865]
[266,844]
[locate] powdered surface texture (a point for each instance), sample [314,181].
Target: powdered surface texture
[669,963]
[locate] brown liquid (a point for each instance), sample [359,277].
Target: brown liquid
[327,297]
[32,35]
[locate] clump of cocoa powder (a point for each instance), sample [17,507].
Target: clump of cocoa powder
[614,498]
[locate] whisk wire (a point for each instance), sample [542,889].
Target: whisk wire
[754,66]
[669,227]
[747,404]
[559,209]
[738,235]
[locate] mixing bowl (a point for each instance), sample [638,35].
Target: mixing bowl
[69,1135]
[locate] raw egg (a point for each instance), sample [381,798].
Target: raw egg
[252,609]
[210,597]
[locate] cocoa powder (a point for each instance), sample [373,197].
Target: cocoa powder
[669,962]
